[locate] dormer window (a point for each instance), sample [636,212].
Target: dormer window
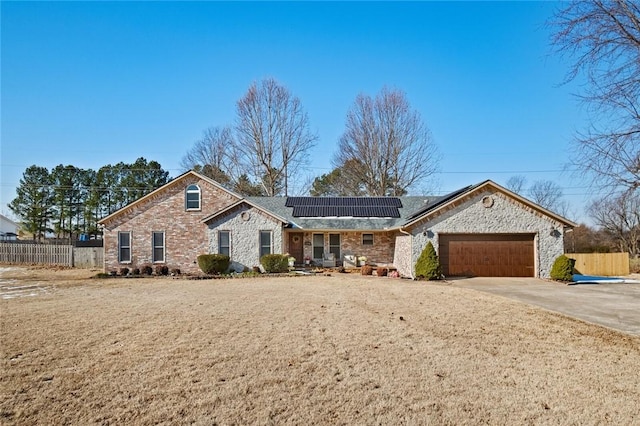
[192,197]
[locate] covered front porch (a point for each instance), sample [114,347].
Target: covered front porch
[340,248]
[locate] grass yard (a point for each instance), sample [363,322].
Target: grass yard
[323,350]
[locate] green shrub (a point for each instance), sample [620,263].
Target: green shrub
[562,269]
[366,270]
[212,264]
[428,264]
[275,263]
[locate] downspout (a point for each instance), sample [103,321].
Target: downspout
[411,247]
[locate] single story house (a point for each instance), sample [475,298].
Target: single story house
[479,230]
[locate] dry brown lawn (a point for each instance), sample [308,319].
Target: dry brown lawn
[304,350]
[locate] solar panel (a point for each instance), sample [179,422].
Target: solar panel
[343,201]
[345,211]
[344,206]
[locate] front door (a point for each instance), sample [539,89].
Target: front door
[295,246]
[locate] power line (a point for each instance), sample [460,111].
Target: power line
[312,167]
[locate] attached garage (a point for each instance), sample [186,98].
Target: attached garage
[487,255]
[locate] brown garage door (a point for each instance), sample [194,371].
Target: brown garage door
[487,255]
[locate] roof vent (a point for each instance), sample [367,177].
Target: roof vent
[487,202]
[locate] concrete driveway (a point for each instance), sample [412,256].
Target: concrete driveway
[615,306]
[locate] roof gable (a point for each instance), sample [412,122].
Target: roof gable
[451,200]
[155,193]
[7,221]
[249,203]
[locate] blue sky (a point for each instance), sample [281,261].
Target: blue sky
[94,83]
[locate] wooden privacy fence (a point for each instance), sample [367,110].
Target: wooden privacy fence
[607,264]
[53,254]
[88,257]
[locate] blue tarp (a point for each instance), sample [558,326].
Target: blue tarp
[578,278]
[593,279]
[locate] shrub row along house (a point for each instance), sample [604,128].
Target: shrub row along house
[479,230]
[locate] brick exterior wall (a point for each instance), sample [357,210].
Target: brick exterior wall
[164,211]
[506,215]
[381,252]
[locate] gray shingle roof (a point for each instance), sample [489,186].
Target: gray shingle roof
[277,206]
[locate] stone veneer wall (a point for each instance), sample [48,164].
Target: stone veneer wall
[507,215]
[185,234]
[402,256]
[244,224]
[380,252]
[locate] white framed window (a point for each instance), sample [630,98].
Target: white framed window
[265,242]
[192,197]
[334,245]
[157,240]
[124,247]
[318,246]
[224,242]
[367,239]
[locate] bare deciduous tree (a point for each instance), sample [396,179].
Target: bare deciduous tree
[391,143]
[272,135]
[620,217]
[213,156]
[549,195]
[517,184]
[585,239]
[603,40]
[546,193]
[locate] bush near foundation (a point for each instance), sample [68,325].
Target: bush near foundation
[275,263]
[162,270]
[428,264]
[381,272]
[213,264]
[366,270]
[562,269]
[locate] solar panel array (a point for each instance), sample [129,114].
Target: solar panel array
[344,206]
[343,201]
